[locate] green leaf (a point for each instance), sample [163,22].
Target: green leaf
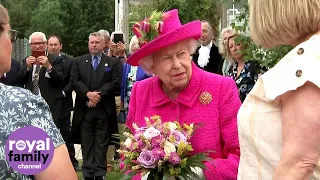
[128,176]
[165,177]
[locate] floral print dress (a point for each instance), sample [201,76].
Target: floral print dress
[20,108]
[247,77]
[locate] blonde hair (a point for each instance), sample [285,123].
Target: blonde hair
[4,16]
[97,34]
[146,63]
[134,40]
[278,22]
[233,35]
[222,47]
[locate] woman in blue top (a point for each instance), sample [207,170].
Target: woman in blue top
[130,75]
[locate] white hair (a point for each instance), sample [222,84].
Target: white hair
[38,34]
[146,63]
[134,40]
[116,32]
[105,33]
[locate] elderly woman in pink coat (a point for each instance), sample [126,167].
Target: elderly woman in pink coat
[181,91]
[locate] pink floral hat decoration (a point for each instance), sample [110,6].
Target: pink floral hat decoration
[161,30]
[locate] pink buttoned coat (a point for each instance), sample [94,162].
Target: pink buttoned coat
[218,119]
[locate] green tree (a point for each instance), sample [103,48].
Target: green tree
[46,18]
[86,17]
[72,20]
[20,12]
[189,10]
[266,57]
[138,13]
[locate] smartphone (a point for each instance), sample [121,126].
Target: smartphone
[118,38]
[36,54]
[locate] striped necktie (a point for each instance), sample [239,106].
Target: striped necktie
[35,82]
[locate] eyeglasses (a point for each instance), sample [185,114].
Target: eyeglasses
[13,34]
[37,43]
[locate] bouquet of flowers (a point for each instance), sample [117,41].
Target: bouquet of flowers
[160,151]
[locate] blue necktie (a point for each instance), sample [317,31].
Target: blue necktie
[95,62]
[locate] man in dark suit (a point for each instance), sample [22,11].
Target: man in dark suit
[54,47]
[95,78]
[11,78]
[207,56]
[44,75]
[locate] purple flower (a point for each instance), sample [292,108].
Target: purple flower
[147,160]
[158,153]
[139,132]
[140,144]
[155,141]
[174,158]
[178,136]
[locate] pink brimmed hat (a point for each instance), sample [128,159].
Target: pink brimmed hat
[161,30]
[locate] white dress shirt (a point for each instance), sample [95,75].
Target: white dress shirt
[204,55]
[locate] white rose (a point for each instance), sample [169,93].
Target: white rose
[151,132]
[172,126]
[128,143]
[169,148]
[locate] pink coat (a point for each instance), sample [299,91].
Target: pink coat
[219,118]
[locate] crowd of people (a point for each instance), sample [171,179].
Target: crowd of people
[258,123]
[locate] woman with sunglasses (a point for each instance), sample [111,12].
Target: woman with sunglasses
[11,98]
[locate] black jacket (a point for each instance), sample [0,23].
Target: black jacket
[109,81]
[67,87]
[12,77]
[50,85]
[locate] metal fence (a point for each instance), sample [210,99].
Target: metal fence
[20,49]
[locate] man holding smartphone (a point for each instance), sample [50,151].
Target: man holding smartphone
[43,75]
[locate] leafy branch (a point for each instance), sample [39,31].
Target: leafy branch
[266,57]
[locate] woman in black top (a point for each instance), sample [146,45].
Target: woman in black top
[245,73]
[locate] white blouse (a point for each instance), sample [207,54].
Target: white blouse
[259,118]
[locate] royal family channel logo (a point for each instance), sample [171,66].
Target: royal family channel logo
[29,150]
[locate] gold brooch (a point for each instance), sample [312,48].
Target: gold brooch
[205,98]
